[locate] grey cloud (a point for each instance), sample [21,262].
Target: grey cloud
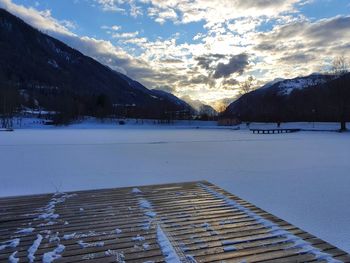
[330,29]
[261,3]
[230,82]
[172,61]
[322,32]
[298,58]
[236,64]
[206,61]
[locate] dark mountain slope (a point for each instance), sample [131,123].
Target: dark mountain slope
[56,77]
[312,98]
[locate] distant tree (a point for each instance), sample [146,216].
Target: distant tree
[340,67]
[103,106]
[246,86]
[9,104]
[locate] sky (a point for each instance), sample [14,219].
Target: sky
[198,49]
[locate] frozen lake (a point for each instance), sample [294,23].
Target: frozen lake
[301,177]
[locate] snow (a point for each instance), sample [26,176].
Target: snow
[287,86]
[10,244]
[83,244]
[300,177]
[34,247]
[69,236]
[167,249]
[274,229]
[49,257]
[138,238]
[117,231]
[12,258]
[145,246]
[151,214]
[25,230]
[136,191]
[113,253]
[145,204]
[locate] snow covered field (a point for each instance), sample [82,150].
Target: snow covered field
[301,177]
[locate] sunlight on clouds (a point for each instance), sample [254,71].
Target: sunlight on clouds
[260,38]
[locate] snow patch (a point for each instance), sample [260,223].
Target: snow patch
[113,253]
[288,86]
[83,244]
[151,214]
[145,246]
[10,244]
[138,238]
[145,204]
[136,191]
[12,258]
[53,255]
[32,250]
[69,236]
[117,231]
[167,249]
[275,230]
[25,230]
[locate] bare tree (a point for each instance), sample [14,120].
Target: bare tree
[340,67]
[246,86]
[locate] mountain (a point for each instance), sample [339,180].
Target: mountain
[49,74]
[199,107]
[312,98]
[168,96]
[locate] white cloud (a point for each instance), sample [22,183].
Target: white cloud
[39,19]
[218,11]
[294,46]
[111,5]
[125,35]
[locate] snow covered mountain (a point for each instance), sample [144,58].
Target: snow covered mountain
[169,96]
[287,86]
[314,97]
[200,107]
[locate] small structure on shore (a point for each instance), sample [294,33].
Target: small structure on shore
[228,121]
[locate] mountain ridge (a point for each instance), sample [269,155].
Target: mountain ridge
[56,76]
[317,97]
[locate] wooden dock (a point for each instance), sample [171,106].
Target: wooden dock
[188,222]
[272,131]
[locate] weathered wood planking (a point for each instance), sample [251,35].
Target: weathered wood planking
[115,225]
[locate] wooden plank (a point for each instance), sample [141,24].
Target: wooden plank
[195,221]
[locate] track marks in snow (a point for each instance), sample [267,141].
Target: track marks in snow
[34,247]
[274,229]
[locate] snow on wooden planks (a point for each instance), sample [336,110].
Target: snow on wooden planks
[187,222]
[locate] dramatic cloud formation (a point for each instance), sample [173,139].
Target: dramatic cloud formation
[200,49]
[237,64]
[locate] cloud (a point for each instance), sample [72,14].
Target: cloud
[125,35]
[38,19]
[211,66]
[217,11]
[206,61]
[303,47]
[162,15]
[102,50]
[110,5]
[112,28]
[237,64]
